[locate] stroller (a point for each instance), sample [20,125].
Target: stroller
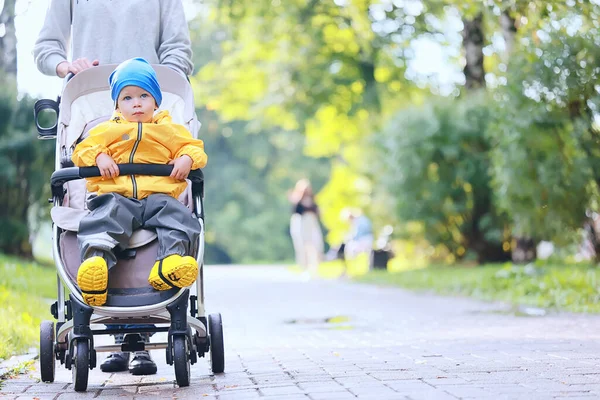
[84,103]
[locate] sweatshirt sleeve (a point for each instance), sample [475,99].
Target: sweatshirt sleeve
[182,143]
[86,151]
[175,48]
[50,48]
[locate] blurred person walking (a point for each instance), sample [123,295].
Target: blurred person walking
[305,228]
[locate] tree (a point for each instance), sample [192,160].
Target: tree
[545,140]
[8,38]
[473,42]
[26,163]
[438,160]
[26,167]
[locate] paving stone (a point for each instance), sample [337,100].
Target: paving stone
[35,390]
[312,378]
[356,380]
[72,395]
[126,391]
[462,391]
[443,380]
[280,390]
[39,397]
[503,388]
[320,387]
[10,387]
[408,386]
[332,396]
[594,387]
[434,394]
[569,395]
[372,390]
[424,373]
[241,395]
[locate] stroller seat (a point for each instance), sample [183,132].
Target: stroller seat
[127,284]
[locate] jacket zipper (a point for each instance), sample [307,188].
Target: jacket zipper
[135,146]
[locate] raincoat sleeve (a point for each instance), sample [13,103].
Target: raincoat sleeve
[182,143]
[85,153]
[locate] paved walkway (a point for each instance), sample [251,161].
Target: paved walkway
[289,339]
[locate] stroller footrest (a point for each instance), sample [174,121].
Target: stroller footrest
[133,342]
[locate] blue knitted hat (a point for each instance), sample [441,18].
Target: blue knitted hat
[134,72]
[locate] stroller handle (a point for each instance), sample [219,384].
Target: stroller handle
[60,177]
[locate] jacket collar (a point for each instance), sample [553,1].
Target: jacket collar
[161,117]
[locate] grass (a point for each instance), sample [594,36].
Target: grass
[19,369]
[573,288]
[25,288]
[558,286]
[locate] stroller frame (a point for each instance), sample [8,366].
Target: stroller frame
[71,340]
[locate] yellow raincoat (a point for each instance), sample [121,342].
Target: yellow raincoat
[157,142]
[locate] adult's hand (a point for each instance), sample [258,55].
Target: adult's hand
[75,67]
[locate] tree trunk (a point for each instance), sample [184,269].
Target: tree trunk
[524,249]
[371,94]
[486,250]
[591,230]
[8,39]
[509,31]
[473,40]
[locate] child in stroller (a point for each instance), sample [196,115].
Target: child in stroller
[126,203]
[132,299]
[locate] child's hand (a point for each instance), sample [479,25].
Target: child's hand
[108,167]
[181,167]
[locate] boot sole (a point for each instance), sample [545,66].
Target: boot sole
[92,278]
[180,275]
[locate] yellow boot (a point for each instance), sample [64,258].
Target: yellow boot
[92,278]
[173,271]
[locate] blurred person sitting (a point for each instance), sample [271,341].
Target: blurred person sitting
[360,238]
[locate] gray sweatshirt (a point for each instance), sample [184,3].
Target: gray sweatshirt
[113,31]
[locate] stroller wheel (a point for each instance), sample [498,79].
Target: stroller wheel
[181,360]
[47,360]
[217,350]
[81,365]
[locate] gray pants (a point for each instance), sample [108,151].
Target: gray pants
[113,218]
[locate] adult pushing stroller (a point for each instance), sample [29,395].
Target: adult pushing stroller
[85,102]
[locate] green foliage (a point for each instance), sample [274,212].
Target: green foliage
[25,290]
[26,167]
[546,151]
[316,67]
[435,160]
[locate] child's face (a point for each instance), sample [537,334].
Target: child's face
[136,104]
